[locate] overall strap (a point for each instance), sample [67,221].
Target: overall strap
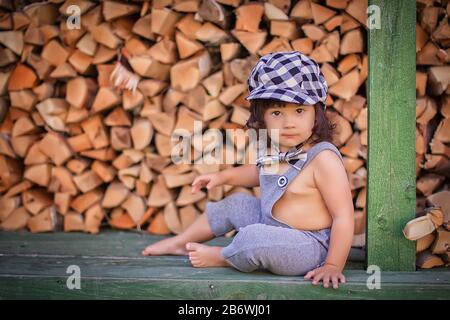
[294,169]
[316,149]
[274,185]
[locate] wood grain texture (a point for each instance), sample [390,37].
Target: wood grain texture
[33,266]
[391,161]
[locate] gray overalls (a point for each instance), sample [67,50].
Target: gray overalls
[262,242]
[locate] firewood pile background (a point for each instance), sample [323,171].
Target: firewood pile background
[87,111]
[433,133]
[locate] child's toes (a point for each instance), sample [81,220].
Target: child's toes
[191,246]
[193,255]
[197,264]
[194,262]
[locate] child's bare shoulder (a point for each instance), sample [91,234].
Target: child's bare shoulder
[328,160]
[329,167]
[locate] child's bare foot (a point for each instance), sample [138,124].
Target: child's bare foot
[170,246]
[202,256]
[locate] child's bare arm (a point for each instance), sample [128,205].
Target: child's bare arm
[246,175]
[338,198]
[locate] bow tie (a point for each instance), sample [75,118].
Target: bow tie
[291,154]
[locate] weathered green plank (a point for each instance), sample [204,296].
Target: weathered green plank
[391,181]
[113,244]
[34,266]
[95,288]
[54,288]
[45,278]
[178,268]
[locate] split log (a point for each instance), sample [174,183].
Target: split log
[135,206]
[82,202]
[121,220]
[55,148]
[73,222]
[7,206]
[172,218]
[36,200]
[93,219]
[426,260]
[22,77]
[43,222]
[115,194]
[424,242]
[87,181]
[16,220]
[442,243]
[158,225]
[421,226]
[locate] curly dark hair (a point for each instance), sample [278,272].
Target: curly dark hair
[323,129]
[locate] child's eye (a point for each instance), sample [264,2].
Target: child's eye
[299,110]
[276,113]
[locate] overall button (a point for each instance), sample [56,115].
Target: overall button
[282,181]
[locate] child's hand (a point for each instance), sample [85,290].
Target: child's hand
[326,273]
[209,180]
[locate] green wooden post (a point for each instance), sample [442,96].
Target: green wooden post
[391,196]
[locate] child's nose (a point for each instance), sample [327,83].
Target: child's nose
[289,124]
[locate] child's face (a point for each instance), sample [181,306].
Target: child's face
[294,121]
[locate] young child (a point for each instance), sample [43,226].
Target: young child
[303,221]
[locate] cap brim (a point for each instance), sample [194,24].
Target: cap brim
[284,95]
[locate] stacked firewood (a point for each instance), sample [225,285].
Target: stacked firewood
[432,130]
[431,231]
[87,112]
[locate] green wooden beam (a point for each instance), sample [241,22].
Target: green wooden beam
[34,266]
[394,286]
[391,196]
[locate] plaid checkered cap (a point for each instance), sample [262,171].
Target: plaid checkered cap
[288,76]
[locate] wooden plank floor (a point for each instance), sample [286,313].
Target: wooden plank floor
[34,266]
